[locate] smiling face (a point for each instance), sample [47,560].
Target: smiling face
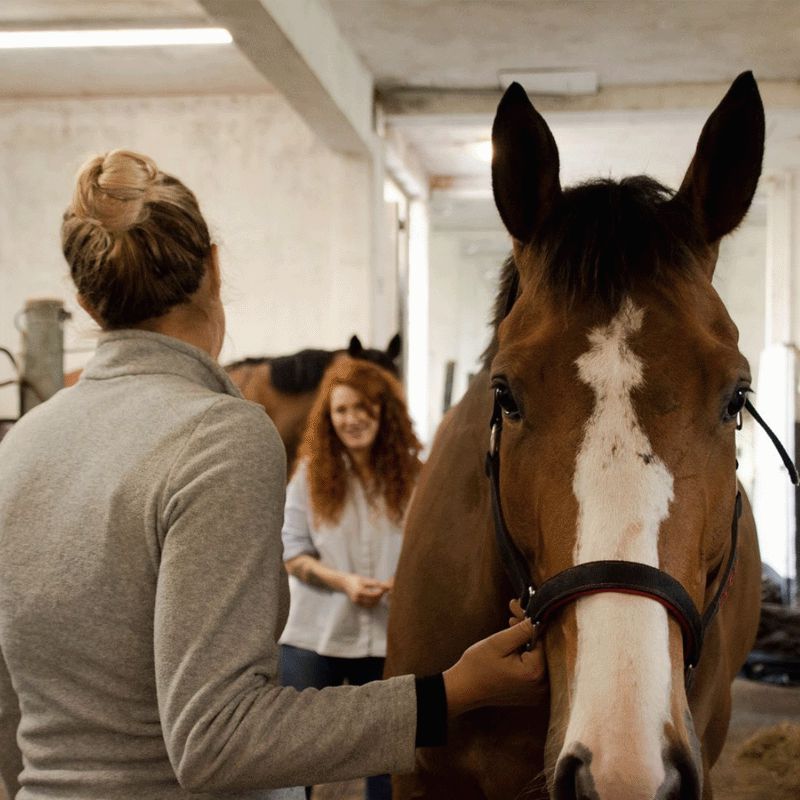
[355,420]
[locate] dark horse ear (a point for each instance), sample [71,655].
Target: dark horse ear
[355,348]
[524,166]
[394,347]
[722,178]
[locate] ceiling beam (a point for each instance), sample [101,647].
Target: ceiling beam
[297,47]
[404,166]
[409,107]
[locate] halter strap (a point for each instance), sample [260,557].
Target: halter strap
[515,564]
[787,462]
[625,577]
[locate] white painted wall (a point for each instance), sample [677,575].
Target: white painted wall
[740,281]
[291,217]
[464,271]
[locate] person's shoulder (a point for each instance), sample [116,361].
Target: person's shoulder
[239,420]
[299,476]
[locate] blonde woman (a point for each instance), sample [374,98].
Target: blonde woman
[142,588]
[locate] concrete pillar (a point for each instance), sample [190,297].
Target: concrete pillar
[417,323]
[42,368]
[383,289]
[775,502]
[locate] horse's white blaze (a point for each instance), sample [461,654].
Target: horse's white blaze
[621,691]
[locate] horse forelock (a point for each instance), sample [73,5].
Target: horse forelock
[603,240]
[607,237]
[379,357]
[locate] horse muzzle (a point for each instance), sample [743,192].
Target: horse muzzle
[581,775]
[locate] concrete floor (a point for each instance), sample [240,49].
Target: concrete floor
[756,707]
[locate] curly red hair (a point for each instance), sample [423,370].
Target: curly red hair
[395,452]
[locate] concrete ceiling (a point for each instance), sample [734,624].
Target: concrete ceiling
[661,66]
[464,44]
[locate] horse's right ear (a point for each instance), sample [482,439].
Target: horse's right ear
[394,347]
[355,348]
[722,178]
[524,165]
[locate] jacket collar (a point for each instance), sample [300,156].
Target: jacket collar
[136,352]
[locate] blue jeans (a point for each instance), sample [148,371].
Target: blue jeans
[305,669]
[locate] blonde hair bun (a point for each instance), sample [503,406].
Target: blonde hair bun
[134,238]
[113,190]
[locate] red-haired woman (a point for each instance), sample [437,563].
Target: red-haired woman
[342,531]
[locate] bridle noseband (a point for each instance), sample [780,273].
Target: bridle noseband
[626,577]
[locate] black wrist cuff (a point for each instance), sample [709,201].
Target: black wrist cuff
[431,711]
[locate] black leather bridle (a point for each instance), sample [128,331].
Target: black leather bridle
[541,603]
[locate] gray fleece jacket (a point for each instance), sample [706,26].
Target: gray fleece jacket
[142,592]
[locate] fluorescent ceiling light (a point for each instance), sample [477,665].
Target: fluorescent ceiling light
[132,37]
[552,81]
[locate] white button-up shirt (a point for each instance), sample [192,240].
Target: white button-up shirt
[364,541]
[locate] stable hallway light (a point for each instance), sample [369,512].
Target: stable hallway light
[482,150]
[132,37]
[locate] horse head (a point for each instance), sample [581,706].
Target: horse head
[383,358]
[619,381]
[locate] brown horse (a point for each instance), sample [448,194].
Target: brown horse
[287,385]
[616,380]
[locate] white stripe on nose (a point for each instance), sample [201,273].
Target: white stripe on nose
[620,698]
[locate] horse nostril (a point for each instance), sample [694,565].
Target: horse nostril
[573,779]
[671,788]
[682,781]
[564,783]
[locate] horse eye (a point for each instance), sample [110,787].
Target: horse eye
[508,405]
[736,403]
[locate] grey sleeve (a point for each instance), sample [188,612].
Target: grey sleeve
[227,725]
[296,534]
[10,757]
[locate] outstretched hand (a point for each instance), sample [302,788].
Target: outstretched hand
[497,672]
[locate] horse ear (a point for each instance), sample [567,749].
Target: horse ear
[394,348]
[355,348]
[722,178]
[524,166]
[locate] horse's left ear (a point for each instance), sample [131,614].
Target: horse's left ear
[722,178]
[394,348]
[355,348]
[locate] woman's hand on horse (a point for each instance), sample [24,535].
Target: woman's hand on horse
[364,592]
[497,672]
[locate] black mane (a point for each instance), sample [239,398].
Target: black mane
[605,238]
[503,301]
[299,372]
[302,372]
[296,373]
